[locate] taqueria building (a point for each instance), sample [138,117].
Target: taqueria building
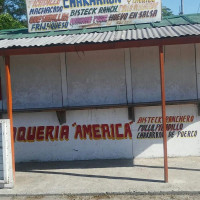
[97,93]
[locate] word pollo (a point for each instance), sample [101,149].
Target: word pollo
[159,127]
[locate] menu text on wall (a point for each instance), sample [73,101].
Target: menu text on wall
[54,15]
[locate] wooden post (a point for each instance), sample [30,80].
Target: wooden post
[9,108]
[162,80]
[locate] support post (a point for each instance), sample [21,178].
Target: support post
[181,13]
[162,80]
[9,108]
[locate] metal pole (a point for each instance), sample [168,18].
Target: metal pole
[182,7]
[162,79]
[9,108]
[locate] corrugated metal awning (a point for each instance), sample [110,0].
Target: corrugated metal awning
[109,36]
[170,27]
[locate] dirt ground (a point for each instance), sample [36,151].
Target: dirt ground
[108,197]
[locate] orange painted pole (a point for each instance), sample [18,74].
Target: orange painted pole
[9,109]
[162,80]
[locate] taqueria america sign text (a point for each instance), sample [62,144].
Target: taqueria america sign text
[144,128]
[83,132]
[52,15]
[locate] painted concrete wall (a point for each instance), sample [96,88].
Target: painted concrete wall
[183,136]
[183,141]
[197,48]
[180,73]
[73,149]
[96,77]
[145,74]
[180,70]
[102,77]
[36,81]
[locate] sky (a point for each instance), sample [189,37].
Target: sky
[190,6]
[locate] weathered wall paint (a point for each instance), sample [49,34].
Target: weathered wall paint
[197,48]
[180,144]
[145,74]
[36,81]
[102,77]
[73,149]
[180,72]
[96,77]
[185,140]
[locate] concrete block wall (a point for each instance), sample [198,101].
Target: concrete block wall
[98,78]
[36,81]
[102,77]
[37,135]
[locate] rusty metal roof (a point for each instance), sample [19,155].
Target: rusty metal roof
[169,27]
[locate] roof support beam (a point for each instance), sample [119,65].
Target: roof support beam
[162,80]
[100,46]
[9,109]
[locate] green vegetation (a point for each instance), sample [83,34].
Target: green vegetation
[166,11]
[12,14]
[8,22]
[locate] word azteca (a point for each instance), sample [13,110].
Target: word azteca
[83,132]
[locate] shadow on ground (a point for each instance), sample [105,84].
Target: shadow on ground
[90,164]
[50,167]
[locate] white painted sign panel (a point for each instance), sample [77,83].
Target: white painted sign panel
[6,172]
[53,15]
[182,131]
[87,134]
[106,134]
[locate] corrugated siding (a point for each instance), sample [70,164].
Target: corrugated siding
[109,36]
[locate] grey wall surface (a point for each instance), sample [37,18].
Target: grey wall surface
[36,81]
[102,77]
[180,72]
[198,68]
[96,77]
[1,155]
[145,74]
